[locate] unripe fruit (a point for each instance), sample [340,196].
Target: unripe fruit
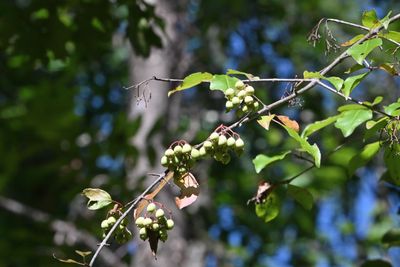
[202,151]
[147,221]
[229,92]
[111,220]
[159,213]
[228,105]
[163,238]
[164,161]
[195,153]
[143,233]
[245,109]
[207,145]
[104,224]
[170,224]
[169,152]
[231,141]
[143,237]
[221,140]
[248,100]
[139,221]
[186,148]
[151,207]
[239,143]
[177,150]
[235,100]
[214,136]
[256,105]
[226,158]
[239,85]
[241,94]
[155,226]
[249,90]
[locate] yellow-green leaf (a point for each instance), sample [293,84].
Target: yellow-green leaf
[98,198]
[360,51]
[192,80]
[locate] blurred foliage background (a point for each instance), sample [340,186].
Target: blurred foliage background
[67,123]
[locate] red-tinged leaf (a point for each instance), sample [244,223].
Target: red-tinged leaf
[189,191]
[153,241]
[289,123]
[265,121]
[263,190]
[143,202]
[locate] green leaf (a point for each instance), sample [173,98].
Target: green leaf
[301,195]
[370,19]
[237,72]
[385,20]
[335,81]
[312,75]
[391,158]
[351,119]
[359,160]
[353,40]
[312,150]
[376,101]
[392,238]
[376,263]
[391,35]
[351,82]
[268,209]
[311,128]
[97,198]
[351,107]
[393,109]
[373,127]
[192,80]
[261,161]
[354,68]
[222,82]
[360,51]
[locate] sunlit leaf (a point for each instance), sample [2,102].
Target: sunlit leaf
[392,238]
[362,158]
[265,121]
[189,191]
[335,81]
[268,209]
[316,126]
[351,82]
[391,35]
[301,195]
[261,161]
[370,19]
[351,119]
[289,123]
[374,127]
[222,82]
[192,80]
[237,72]
[360,51]
[98,198]
[393,109]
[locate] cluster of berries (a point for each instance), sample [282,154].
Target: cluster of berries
[242,98]
[180,157]
[154,223]
[121,234]
[220,142]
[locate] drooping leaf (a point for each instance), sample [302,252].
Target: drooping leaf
[237,72]
[392,238]
[222,82]
[391,35]
[301,195]
[362,158]
[313,127]
[391,158]
[349,120]
[351,82]
[192,80]
[312,150]
[98,198]
[261,161]
[374,127]
[360,51]
[376,263]
[352,40]
[370,19]
[265,121]
[83,254]
[269,207]
[69,261]
[153,241]
[189,190]
[393,109]
[289,123]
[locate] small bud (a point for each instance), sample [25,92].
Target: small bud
[139,221]
[248,100]
[239,85]
[147,221]
[239,143]
[249,90]
[207,145]
[231,141]
[177,150]
[169,153]
[229,105]
[229,92]
[202,151]
[195,153]
[256,105]
[221,140]
[186,148]
[104,224]
[241,94]
[214,136]
[235,101]
[159,213]
[164,161]
[170,224]
[155,226]
[151,207]
[245,109]
[111,220]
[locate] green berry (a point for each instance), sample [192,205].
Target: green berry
[159,213]
[164,161]
[202,151]
[139,221]
[169,153]
[151,207]
[195,153]
[239,85]
[231,141]
[170,224]
[155,226]
[249,90]
[229,92]
[178,150]
[111,220]
[214,136]
[226,158]
[147,221]
[248,100]
[186,148]
[207,145]
[241,94]
[163,235]
[229,105]
[239,143]
[143,233]
[104,224]
[245,109]
[221,140]
[235,101]
[256,105]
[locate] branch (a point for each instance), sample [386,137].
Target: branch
[56,225]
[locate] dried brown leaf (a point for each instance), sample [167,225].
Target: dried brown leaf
[289,123]
[189,190]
